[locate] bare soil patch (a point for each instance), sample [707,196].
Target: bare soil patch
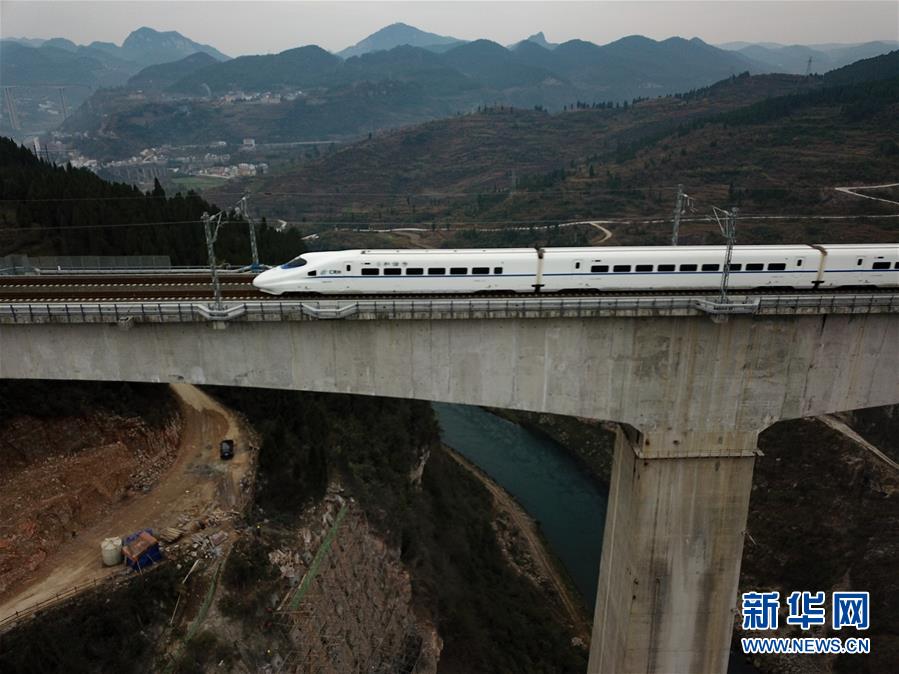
[195,488]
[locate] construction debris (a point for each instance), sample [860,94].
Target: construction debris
[170,534]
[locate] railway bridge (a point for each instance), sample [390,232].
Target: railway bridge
[691,382]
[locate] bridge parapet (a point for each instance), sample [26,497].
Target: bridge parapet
[449,309]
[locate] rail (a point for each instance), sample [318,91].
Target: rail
[35,270]
[126,314]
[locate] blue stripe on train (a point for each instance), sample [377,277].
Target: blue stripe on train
[610,273]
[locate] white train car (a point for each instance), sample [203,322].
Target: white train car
[683,267]
[860,265]
[529,270]
[405,271]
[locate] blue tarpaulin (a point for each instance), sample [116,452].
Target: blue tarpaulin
[141,549]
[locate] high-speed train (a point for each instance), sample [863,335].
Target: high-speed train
[530,270]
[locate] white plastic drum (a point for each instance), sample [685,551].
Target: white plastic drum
[111,550]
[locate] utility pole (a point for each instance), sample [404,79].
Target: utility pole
[678,210]
[254,251]
[729,230]
[211,236]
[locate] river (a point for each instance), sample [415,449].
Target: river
[551,486]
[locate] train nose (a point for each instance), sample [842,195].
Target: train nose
[264,281]
[259,280]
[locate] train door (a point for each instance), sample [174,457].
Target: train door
[861,266]
[580,269]
[347,276]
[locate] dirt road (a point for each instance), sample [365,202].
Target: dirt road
[528,528]
[197,482]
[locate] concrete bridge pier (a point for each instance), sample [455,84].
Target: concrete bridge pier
[671,554]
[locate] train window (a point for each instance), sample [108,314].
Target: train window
[711,267]
[776,266]
[458,271]
[312,273]
[370,271]
[621,267]
[644,267]
[497,270]
[896,266]
[799,262]
[480,270]
[859,262]
[414,271]
[688,267]
[735,266]
[393,271]
[755,266]
[666,267]
[881,265]
[577,265]
[348,267]
[436,271]
[599,268]
[294,263]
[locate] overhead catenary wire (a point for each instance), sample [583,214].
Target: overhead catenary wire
[362,224]
[109,226]
[419,195]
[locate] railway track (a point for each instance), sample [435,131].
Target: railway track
[121,279]
[125,288]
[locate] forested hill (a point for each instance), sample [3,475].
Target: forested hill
[47,209]
[775,146]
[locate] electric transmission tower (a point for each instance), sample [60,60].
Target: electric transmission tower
[254,250]
[729,231]
[211,236]
[678,211]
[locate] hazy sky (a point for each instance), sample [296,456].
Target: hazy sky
[241,27]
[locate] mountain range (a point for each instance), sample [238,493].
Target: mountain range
[33,62]
[396,76]
[798,59]
[37,68]
[318,95]
[772,56]
[396,35]
[527,74]
[727,142]
[143,47]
